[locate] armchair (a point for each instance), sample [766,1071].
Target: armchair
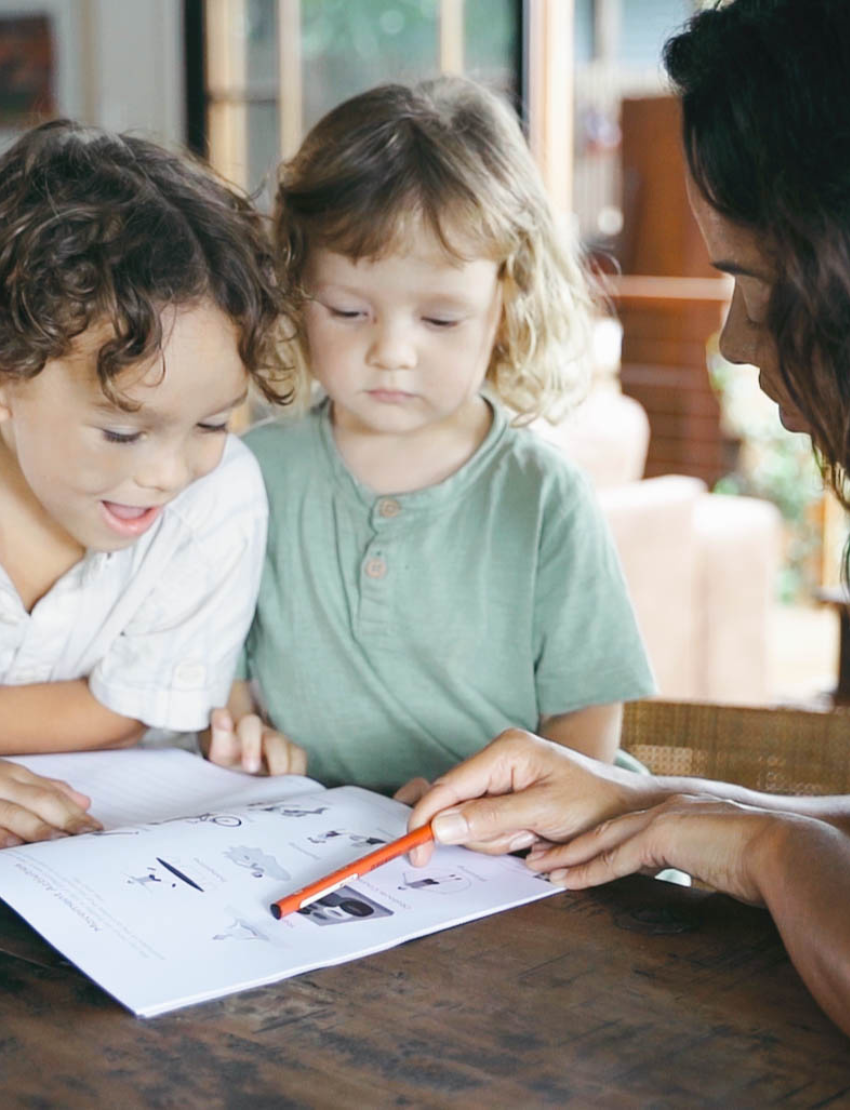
[701,567]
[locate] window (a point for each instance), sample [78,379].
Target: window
[646,25]
[274,67]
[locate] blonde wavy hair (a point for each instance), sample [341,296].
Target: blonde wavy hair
[448,154]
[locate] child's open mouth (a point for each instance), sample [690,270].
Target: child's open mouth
[129,520]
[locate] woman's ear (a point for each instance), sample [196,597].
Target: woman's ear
[5,406]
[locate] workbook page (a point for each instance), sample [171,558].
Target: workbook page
[167,914]
[137,785]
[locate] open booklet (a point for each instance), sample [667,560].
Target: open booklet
[169,905]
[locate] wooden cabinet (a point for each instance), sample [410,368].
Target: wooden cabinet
[666,324]
[669,298]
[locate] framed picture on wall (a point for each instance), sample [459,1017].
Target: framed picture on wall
[26,70]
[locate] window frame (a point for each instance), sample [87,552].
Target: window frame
[218,101]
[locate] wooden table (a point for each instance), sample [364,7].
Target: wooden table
[640,994]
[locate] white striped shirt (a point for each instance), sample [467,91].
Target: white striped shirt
[156,627]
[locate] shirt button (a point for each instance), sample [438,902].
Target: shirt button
[189,676]
[376,568]
[389,507]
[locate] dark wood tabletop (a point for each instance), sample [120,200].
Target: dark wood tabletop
[639,994]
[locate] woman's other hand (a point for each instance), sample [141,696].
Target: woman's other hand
[718,842]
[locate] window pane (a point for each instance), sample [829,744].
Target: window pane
[345,46]
[261,45]
[349,47]
[584,33]
[491,42]
[645,24]
[263,149]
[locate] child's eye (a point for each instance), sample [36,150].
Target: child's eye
[440,322]
[213,427]
[120,437]
[345,313]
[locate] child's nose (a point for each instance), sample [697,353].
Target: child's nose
[165,471]
[392,348]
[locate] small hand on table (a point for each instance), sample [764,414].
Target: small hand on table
[36,808]
[252,746]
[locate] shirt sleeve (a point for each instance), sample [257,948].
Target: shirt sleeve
[588,649]
[176,659]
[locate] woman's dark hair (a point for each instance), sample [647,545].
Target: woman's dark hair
[96,226]
[765,92]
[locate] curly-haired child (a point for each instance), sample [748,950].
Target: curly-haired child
[138,301]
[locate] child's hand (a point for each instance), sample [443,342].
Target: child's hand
[412,791]
[36,808]
[252,746]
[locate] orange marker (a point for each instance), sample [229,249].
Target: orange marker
[314,891]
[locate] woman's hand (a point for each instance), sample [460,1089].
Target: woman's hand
[251,745]
[37,808]
[521,790]
[795,865]
[719,842]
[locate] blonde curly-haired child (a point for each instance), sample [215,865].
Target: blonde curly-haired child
[435,572]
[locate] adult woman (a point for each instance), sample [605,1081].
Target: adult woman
[763,85]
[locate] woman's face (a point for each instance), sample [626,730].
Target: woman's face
[736,250]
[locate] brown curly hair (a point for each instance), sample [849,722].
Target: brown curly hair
[96,226]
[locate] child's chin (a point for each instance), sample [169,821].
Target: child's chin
[102,539]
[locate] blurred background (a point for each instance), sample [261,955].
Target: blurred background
[730,545]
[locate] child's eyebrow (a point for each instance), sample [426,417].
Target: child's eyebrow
[459,300]
[158,419]
[335,287]
[235,403]
[436,297]
[108,408]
